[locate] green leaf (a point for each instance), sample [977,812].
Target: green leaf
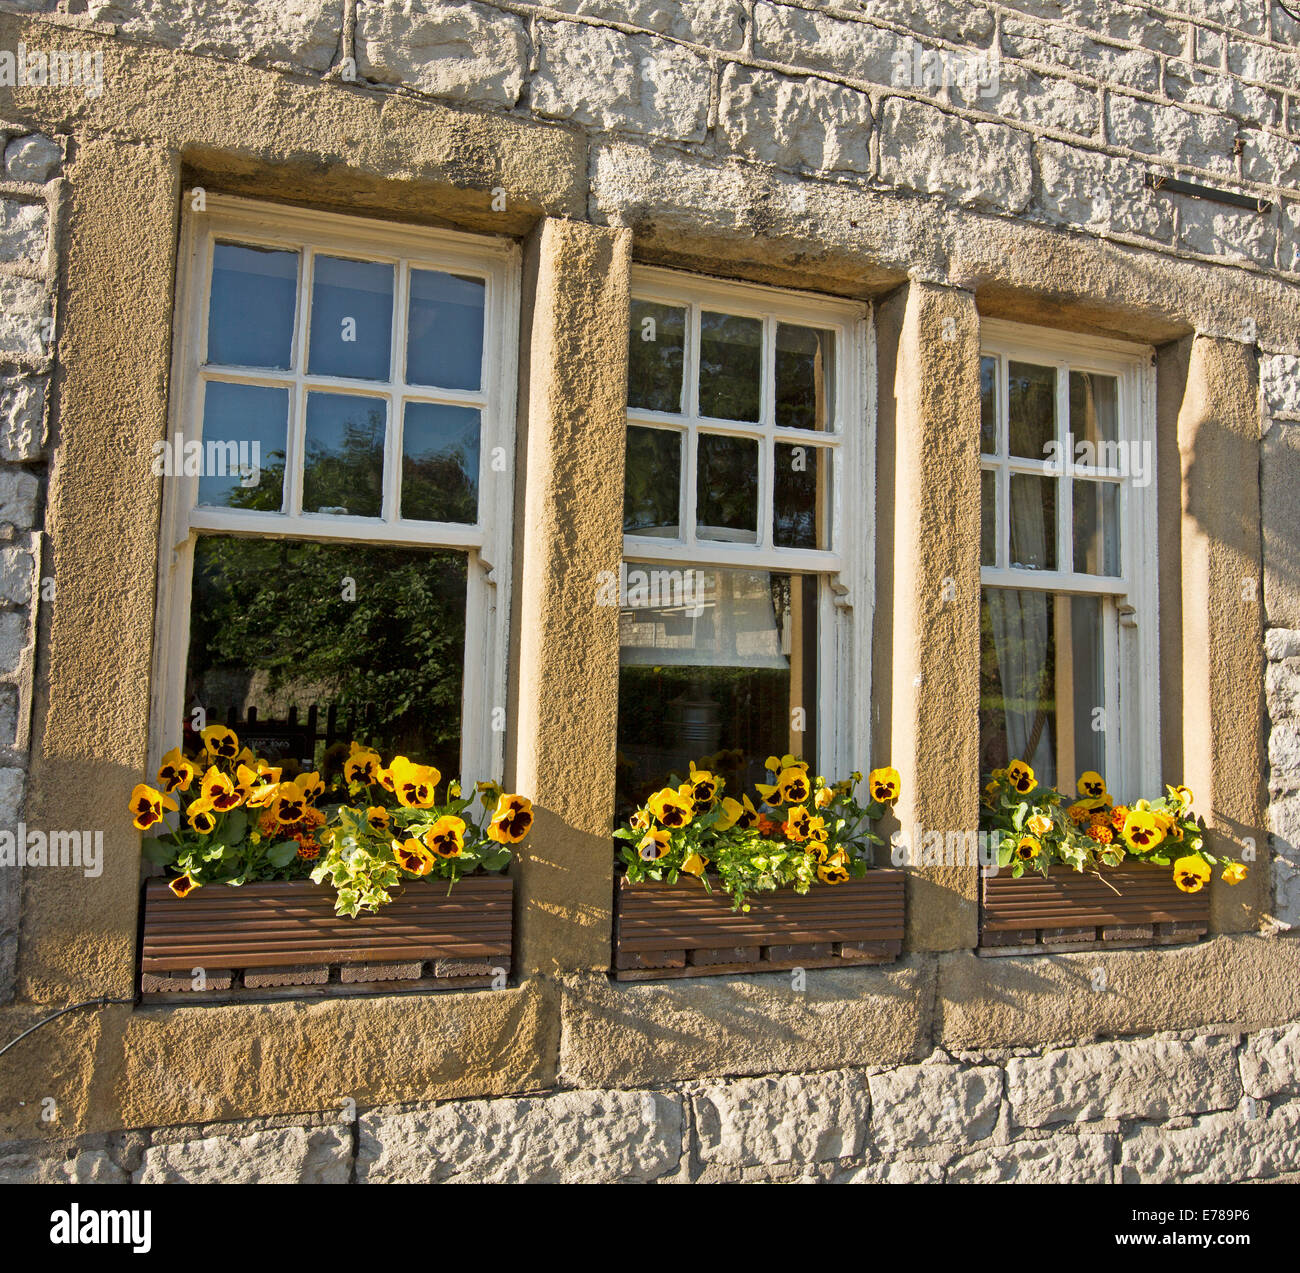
[160,852]
[235,826]
[283,853]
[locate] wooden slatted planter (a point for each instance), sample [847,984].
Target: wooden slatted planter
[1136,904]
[680,930]
[267,937]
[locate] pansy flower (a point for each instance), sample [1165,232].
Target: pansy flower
[1142,832]
[704,787]
[1092,785]
[830,873]
[670,808]
[221,742]
[446,837]
[147,806]
[1021,777]
[220,789]
[1191,874]
[694,864]
[797,825]
[289,804]
[413,857]
[1028,848]
[512,819]
[413,785]
[176,772]
[202,816]
[885,784]
[311,785]
[654,844]
[183,885]
[378,818]
[1234,872]
[362,765]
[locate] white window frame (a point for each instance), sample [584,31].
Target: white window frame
[847,569]
[487,543]
[1131,612]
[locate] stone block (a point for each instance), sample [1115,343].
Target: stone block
[1149,1078]
[606,80]
[1172,134]
[24,231]
[1058,1160]
[718,24]
[32,158]
[569,1138]
[1270,1063]
[1100,192]
[1214,1149]
[285,1155]
[800,1118]
[265,978]
[935,1103]
[24,316]
[465,52]
[22,418]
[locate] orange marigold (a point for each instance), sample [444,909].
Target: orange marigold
[1117,816]
[1100,832]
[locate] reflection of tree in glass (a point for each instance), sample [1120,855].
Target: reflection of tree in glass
[267,495]
[730,366]
[654,373]
[1031,406]
[440,486]
[652,478]
[278,607]
[727,482]
[351,474]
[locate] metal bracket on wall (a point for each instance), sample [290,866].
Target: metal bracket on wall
[1171,185]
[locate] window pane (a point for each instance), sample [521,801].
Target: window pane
[440,463]
[726,501]
[251,306]
[1031,407]
[655,355]
[444,340]
[988,518]
[351,319]
[713,665]
[344,470]
[653,482]
[804,377]
[1096,528]
[1033,522]
[273,638]
[731,366]
[989,406]
[1042,687]
[1094,417]
[244,428]
[801,497]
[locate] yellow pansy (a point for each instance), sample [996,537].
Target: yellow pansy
[730,815]
[1091,784]
[670,808]
[202,817]
[1039,823]
[704,787]
[147,806]
[1143,832]
[885,784]
[797,824]
[289,804]
[311,786]
[1021,776]
[446,837]
[176,771]
[220,789]
[378,818]
[832,874]
[413,857]
[413,785]
[694,864]
[220,742]
[653,846]
[1234,872]
[512,820]
[362,765]
[183,885]
[1191,874]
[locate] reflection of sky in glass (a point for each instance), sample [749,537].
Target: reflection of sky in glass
[444,342]
[361,291]
[258,417]
[251,305]
[344,472]
[440,462]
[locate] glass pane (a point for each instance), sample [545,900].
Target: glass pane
[726,499]
[655,355]
[444,340]
[988,518]
[1096,528]
[653,482]
[805,378]
[344,469]
[1094,418]
[251,306]
[989,406]
[440,463]
[242,464]
[801,497]
[731,366]
[1042,686]
[1033,522]
[1031,408]
[351,319]
[714,667]
[297,670]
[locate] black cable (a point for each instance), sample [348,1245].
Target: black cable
[101,1002]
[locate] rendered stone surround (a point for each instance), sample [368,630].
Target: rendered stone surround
[205,120]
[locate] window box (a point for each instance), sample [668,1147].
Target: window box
[278,934]
[681,930]
[1134,904]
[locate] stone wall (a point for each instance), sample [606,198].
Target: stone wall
[31,192]
[1078,100]
[1182,1108]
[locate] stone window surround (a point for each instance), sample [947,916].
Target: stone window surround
[146,1064]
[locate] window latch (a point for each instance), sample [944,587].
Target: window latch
[1128,616]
